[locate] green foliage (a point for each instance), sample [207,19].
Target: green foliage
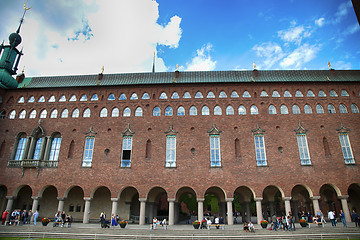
[190,202]
[211,200]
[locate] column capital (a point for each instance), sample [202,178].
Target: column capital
[142,199]
[229,199]
[10,197]
[200,199]
[171,199]
[87,198]
[343,197]
[35,197]
[62,198]
[115,199]
[286,198]
[315,197]
[258,199]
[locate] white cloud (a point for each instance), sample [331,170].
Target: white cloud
[341,65]
[202,61]
[320,22]
[342,10]
[352,29]
[299,56]
[294,34]
[124,37]
[270,52]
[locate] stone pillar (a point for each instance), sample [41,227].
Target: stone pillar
[43,145]
[248,212]
[230,218]
[114,206]
[345,207]
[35,205]
[61,203]
[287,205]
[171,211]
[31,141]
[9,206]
[200,202]
[87,209]
[142,211]
[316,206]
[47,148]
[258,210]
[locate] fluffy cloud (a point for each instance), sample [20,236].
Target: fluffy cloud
[202,60]
[320,22]
[270,52]
[294,34]
[299,56]
[352,29]
[342,11]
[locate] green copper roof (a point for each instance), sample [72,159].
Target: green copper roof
[194,77]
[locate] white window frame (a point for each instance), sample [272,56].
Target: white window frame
[303,147]
[126,146]
[260,150]
[170,151]
[88,151]
[346,148]
[215,155]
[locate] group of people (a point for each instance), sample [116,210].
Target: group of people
[156,222]
[287,223]
[207,222]
[249,227]
[62,219]
[105,223]
[18,217]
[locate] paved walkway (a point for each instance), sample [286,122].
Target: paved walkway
[134,231]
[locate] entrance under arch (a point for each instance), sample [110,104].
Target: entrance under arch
[214,203]
[3,200]
[129,206]
[272,202]
[74,203]
[101,202]
[244,205]
[328,199]
[23,199]
[48,203]
[354,197]
[186,208]
[301,202]
[157,205]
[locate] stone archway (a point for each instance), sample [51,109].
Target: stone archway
[301,201]
[272,202]
[354,197]
[329,198]
[101,202]
[186,208]
[244,204]
[3,200]
[48,203]
[23,199]
[157,205]
[74,203]
[214,203]
[129,206]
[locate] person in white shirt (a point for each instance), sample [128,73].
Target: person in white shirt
[331,216]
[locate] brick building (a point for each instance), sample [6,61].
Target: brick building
[259,142]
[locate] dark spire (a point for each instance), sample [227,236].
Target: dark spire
[153,69]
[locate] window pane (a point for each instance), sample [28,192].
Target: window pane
[295,109]
[181,111]
[222,95]
[88,151]
[20,149]
[163,95]
[229,110]
[275,94]
[234,94]
[187,95]
[284,109]
[198,95]
[104,112]
[111,97]
[215,160]
[260,150]
[254,110]
[94,97]
[242,110]
[156,111]
[122,97]
[217,110]
[127,112]
[205,111]
[175,95]
[319,109]
[134,96]
[210,95]
[138,112]
[170,151]
[168,111]
[263,94]
[145,96]
[193,111]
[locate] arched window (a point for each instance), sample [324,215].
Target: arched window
[229,110]
[175,95]
[217,110]
[272,109]
[246,94]
[122,96]
[186,95]
[111,97]
[65,113]
[205,111]
[163,95]
[62,98]
[193,111]
[54,113]
[104,112]
[41,99]
[344,93]
[310,93]
[32,114]
[168,111]
[295,109]
[20,147]
[114,113]
[354,108]
[83,98]
[31,99]
[86,113]
[198,95]
[156,111]
[138,112]
[37,149]
[287,93]
[134,96]
[210,95]
[181,111]
[43,113]
[275,94]
[331,108]
[145,96]
[75,113]
[94,97]
[254,110]
[263,94]
[21,100]
[321,93]
[55,147]
[127,112]
[242,110]
[52,99]
[319,109]
[298,93]
[284,109]
[22,114]
[333,93]
[342,108]
[234,94]
[12,114]
[72,98]
[307,109]
[222,95]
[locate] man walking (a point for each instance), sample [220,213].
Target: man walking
[331,216]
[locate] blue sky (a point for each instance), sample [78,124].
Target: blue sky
[81,36]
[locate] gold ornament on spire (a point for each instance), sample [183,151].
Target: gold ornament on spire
[329,65]
[177,67]
[102,69]
[26,9]
[254,65]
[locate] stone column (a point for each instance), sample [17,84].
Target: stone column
[114,206]
[171,211]
[200,202]
[87,209]
[31,141]
[248,212]
[345,207]
[287,205]
[142,211]
[316,206]
[43,145]
[61,203]
[229,202]
[35,205]
[47,148]
[258,210]
[9,206]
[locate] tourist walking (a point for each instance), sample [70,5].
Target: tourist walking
[342,217]
[355,217]
[4,215]
[331,216]
[36,215]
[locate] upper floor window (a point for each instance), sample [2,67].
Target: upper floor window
[168,111]
[246,94]
[215,158]
[272,109]
[217,110]
[354,108]
[333,93]
[37,149]
[31,99]
[32,114]
[54,113]
[242,110]
[22,114]
[55,147]
[122,97]
[126,151]
[86,113]
[52,99]
[210,95]
[163,95]
[83,98]
[275,94]
[321,93]
[307,109]
[175,95]
[41,99]
[134,96]
[127,112]
[319,109]
[344,93]
[75,113]
[331,108]
[12,114]
[65,113]
[72,98]
[62,98]
[104,112]
[303,149]
[114,113]
[287,94]
[205,111]
[260,150]
[181,111]
[94,97]
[21,100]
[198,95]
[186,95]
[43,113]
[145,96]
[298,93]
[346,148]
[342,108]
[310,93]
[284,109]
[222,95]
[234,94]
[156,111]
[229,110]
[295,109]
[264,94]
[88,151]
[254,110]
[170,151]
[20,148]
[138,112]
[193,111]
[111,97]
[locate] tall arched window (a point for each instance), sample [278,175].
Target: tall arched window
[272,109]
[229,110]
[168,111]
[75,113]
[181,111]
[104,112]
[205,111]
[295,109]
[156,111]
[32,114]
[43,113]
[12,114]
[331,108]
[22,114]
[242,110]
[193,111]
[20,147]
[55,147]
[114,113]
[65,113]
[138,112]
[284,109]
[319,109]
[342,108]
[127,112]
[217,110]
[307,109]
[54,113]
[254,110]
[354,108]
[86,113]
